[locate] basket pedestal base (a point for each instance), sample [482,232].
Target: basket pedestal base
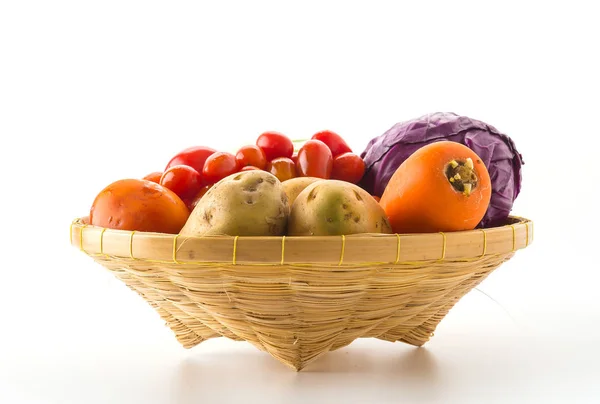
[410,317]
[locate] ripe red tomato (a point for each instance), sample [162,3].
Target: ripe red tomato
[348,167]
[336,144]
[218,166]
[249,168]
[154,177]
[251,155]
[183,180]
[314,160]
[275,144]
[192,156]
[283,168]
[194,201]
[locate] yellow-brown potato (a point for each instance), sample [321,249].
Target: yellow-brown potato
[294,186]
[248,203]
[332,207]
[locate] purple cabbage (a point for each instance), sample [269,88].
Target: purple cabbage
[384,154]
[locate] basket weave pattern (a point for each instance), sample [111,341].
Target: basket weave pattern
[300,310]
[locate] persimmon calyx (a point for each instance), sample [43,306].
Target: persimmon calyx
[462,176]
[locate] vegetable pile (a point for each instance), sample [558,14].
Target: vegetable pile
[384,154]
[437,173]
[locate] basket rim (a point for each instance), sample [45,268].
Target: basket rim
[367,248]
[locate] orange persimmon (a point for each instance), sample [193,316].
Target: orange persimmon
[141,205]
[154,177]
[443,186]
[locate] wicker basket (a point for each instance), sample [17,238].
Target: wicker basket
[299,297]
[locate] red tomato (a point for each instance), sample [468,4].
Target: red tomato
[194,201]
[348,167]
[193,157]
[154,177]
[295,158]
[218,166]
[314,160]
[275,144]
[183,180]
[251,156]
[283,168]
[249,168]
[336,144]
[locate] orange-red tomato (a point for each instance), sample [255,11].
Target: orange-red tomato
[194,201]
[348,167]
[275,144]
[183,180]
[141,205]
[283,168]
[154,177]
[219,166]
[251,155]
[443,186]
[336,144]
[314,160]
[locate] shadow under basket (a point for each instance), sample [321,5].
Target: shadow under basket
[298,298]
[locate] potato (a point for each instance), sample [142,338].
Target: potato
[294,186]
[333,207]
[248,203]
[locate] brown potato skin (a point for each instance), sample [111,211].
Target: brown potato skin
[294,186]
[140,205]
[333,207]
[248,203]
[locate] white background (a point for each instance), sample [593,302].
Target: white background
[91,92]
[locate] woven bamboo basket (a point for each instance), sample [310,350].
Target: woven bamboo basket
[298,298]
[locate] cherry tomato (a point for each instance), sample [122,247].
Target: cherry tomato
[249,168]
[218,166]
[192,156]
[336,144]
[348,167]
[194,201]
[251,155]
[154,177]
[275,144]
[314,160]
[283,168]
[183,180]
